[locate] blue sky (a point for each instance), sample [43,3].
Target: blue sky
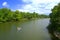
[39,6]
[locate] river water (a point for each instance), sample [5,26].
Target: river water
[30,30]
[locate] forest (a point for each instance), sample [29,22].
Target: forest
[7,15]
[54,27]
[55,17]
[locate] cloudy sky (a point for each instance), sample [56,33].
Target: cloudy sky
[39,6]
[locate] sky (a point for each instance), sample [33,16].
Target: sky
[38,6]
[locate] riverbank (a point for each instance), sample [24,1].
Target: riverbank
[54,27]
[7,15]
[23,20]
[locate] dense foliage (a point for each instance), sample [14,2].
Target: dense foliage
[55,16]
[54,26]
[7,15]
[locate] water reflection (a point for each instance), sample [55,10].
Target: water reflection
[8,31]
[5,28]
[31,30]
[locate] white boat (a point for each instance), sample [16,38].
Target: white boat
[19,28]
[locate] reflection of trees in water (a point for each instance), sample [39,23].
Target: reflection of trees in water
[53,31]
[6,27]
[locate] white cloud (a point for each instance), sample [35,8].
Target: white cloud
[39,6]
[41,1]
[5,4]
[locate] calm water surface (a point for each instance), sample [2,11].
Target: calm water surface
[30,30]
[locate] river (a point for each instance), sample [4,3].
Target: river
[30,30]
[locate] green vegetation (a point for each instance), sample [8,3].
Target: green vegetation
[7,15]
[55,17]
[55,22]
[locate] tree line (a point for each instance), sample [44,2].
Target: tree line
[55,17]
[7,15]
[54,26]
